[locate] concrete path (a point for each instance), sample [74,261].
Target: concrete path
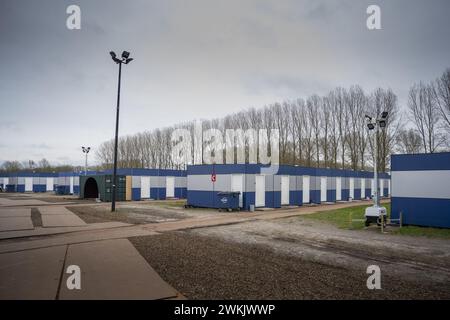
[16,223]
[74,237]
[113,269]
[15,219]
[38,231]
[4,202]
[59,216]
[31,274]
[15,212]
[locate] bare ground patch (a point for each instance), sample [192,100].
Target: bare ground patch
[207,267]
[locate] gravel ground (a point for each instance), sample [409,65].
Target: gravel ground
[204,267]
[138,212]
[128,214]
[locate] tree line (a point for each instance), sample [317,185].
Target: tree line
[320,131]
[42,165]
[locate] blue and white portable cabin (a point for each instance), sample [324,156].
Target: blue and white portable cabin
[69,182]
[156,184]
[421,189]
[256,187]
[4,180]
[30,181]
[289,185]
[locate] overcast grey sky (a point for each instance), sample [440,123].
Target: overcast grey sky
[195,59]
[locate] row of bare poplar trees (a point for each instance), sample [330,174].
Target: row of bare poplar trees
[321,131]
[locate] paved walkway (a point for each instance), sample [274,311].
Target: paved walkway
[15,219]
[110,269]
[59,216]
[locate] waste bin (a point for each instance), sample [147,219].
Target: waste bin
[227,200]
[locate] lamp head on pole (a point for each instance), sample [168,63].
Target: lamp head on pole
[125,57]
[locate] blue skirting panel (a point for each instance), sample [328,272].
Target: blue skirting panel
[180,193]
[357,194]
[39,188]
[158,193]
[249,198]
[331,195]
[295,198]
[273,199]
[422,211]
[345,194]
[20,188]
[136,194]
[314,196]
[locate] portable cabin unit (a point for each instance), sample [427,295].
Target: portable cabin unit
[256,186]
[4,180]
[421,189]
[29,182]
[156,184]
[68,183]
[260,187]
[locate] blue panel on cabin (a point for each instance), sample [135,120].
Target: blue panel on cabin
[422,211]
[39,188]
[273,199]
[368,193]
[357,194]
[76,189]
[248,199]
[331,195]
[295,198]
[136,194]
[416,162]
[385,192]
[200,198]
[20,188]
[345,194]
[314,196]
[180,193]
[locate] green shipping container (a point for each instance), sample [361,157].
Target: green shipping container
[100,186]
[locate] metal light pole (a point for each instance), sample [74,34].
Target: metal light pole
[86,151]
[125,60]
[376,213]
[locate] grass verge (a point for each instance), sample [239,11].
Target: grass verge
[341,218]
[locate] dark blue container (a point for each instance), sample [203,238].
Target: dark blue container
[227,200]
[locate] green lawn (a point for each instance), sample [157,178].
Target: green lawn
[341,219]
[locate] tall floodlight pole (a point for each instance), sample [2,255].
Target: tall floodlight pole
[85,151]
[124,60]
[376,213]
